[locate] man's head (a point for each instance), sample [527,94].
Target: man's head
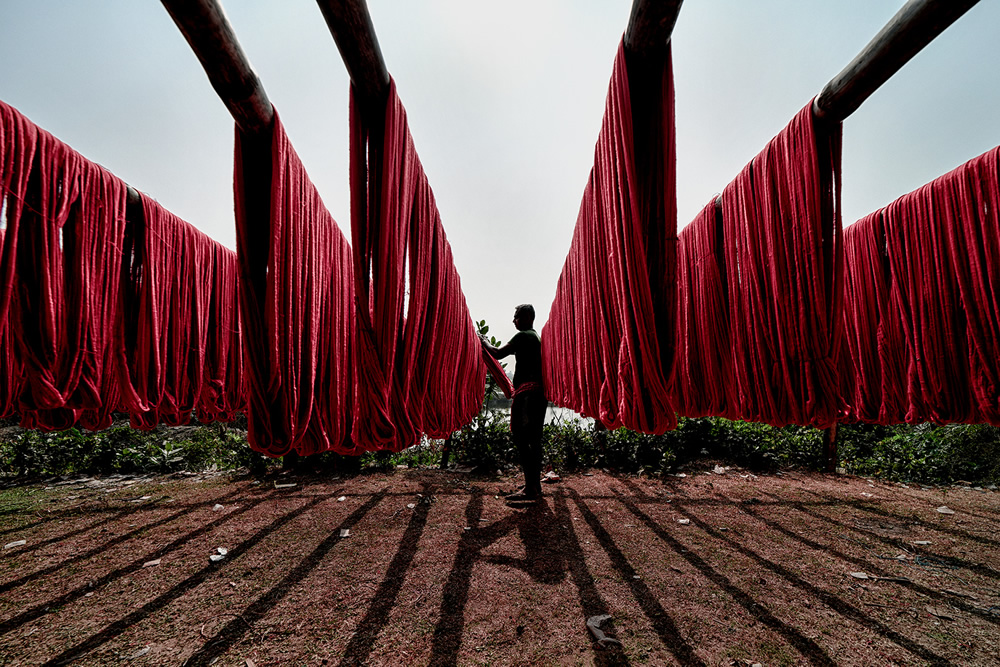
[524,317]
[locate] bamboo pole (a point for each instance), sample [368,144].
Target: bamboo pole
[650,25]
[354,33]
[911,29]
[206,28]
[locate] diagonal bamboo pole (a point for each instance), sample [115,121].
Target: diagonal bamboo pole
[913,27]
[354,33]
[206,28]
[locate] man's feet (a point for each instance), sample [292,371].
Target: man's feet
[524,498]
[515,492]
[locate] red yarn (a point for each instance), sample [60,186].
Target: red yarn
[11,372]
[703,383]
[422,372]
[496,372]
[67,257]
[608,342]
[11,369]
[295,303]
[874,354]
[931,263]
[18,140]
[784,273]
[223,392]
[166,327]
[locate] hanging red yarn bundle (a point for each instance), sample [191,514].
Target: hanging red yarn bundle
[931,262]
[496,372]
[18,141]
[165,329]
[11,369]
[296,303]
[784,275]
[874,355]
[223,393]
[63,311]
[703,374]
[608,343]
[418,360]
[84,325]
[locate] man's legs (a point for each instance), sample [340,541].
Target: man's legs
[533,443]
[526,431]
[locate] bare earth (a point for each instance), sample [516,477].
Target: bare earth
[713,569]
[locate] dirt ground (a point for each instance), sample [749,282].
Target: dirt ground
[432,568]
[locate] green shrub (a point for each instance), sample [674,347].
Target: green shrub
[763,447]
[121,449]
[926,453]
[486,443]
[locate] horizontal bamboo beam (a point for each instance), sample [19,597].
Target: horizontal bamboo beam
[354,33]
[911,29]
[650,26]
[206,28]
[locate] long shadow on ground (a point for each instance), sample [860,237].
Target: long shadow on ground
[810,649]
[835,603]
[238,628]
[124,537]
[872,568]
[77,593]
[192,582]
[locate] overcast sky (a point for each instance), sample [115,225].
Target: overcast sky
[504,101]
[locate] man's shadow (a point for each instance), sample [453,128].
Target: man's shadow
[539,530]
[543,561]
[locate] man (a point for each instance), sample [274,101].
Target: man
[527,411]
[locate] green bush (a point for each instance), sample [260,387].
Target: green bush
[926,453]
[121,449]
[486,443]
[763,447]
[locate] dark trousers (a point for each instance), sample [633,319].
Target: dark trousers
[527,416]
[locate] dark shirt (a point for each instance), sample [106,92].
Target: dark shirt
[527,348]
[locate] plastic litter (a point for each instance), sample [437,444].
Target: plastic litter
[944,509]
[939,613]
[217,508]
[594,625]
[345,532]
[18,543]
[151,563]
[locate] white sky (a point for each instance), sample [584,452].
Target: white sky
[505,102]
